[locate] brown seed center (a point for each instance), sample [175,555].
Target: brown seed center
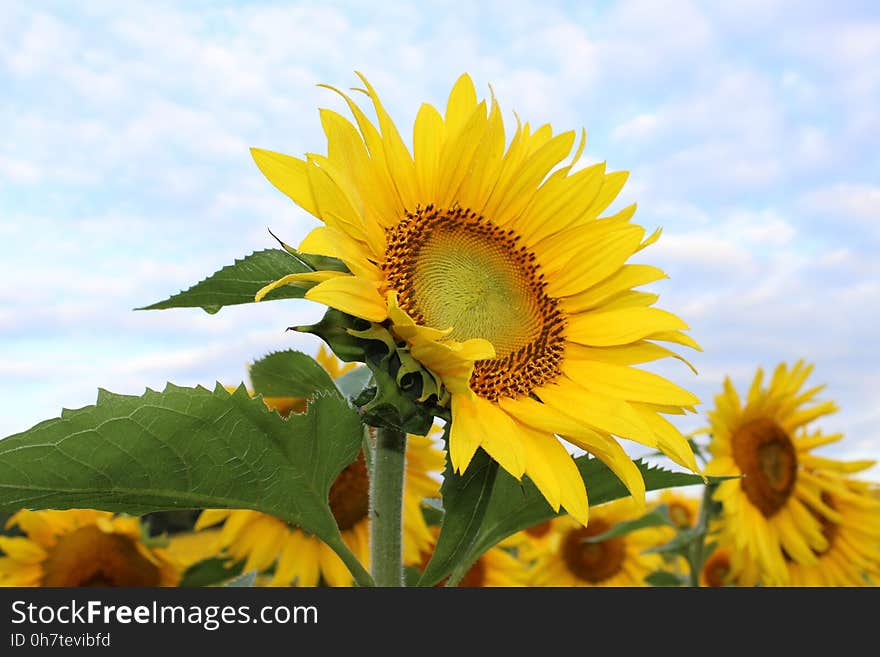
[452,269]
[716,570]
[593,562]
[539,530]
[89,557]
[350,494]
[767,458]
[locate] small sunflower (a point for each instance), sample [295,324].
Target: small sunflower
[491,262]
[766,513]
[850,521]
[531,542]
[683,509]
[82,547]
[718,569]
[262,540]
[569,560]
[497,567]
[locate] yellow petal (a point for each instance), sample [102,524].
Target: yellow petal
[478,419]
[351,295]
[461,103]
[560,202]
[22,549]
[297,279]
[397,157]
[669,439]
[524,187]
[288,174]
[329,241]
[627,383]
[599,411]
[595,262]
[427,142]
[555,474]
[550,419]
[628,276]
[620,326]
[635,353]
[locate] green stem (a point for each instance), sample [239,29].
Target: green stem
[697,547]
[386,507]
[360,574]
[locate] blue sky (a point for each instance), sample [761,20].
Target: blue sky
[751,131]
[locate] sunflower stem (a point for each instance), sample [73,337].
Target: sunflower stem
[696,555]
[386,507]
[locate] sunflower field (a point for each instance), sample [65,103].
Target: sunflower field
[470,417]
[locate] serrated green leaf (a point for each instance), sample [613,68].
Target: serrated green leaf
[466,497]
[663,578]
[239,282]
[289,374]
[185,448]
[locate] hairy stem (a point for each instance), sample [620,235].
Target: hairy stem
[696,554]
[386,507]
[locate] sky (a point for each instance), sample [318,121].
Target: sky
[750,129]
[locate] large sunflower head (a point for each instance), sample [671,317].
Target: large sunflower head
[487,258]
[263,541]
[571,556]
[772,514]
[82,547]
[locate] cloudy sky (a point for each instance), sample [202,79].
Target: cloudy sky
[751,130]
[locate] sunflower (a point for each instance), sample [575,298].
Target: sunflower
[262,540]
[766,513]
[718,569]
[497,567]
[850,521]
[490,263]
[531,542]
[569,560]
[683,509]
[82,547]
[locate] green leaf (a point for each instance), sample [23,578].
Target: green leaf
[663,578]
[245,580]
[679,544]
[656,518]
[514,506]
[239,282]
[289,374]
[185,448]
[352,383]
[210,572]
[432,512]
[465,499]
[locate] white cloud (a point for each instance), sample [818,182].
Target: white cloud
[844,202]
